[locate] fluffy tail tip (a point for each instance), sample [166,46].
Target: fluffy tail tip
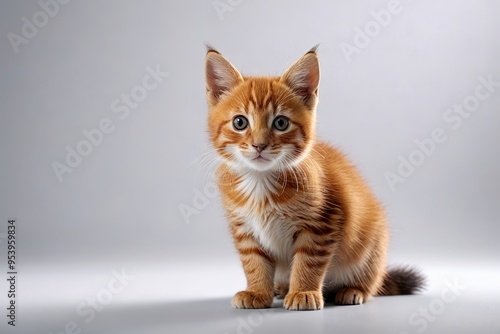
[403,281]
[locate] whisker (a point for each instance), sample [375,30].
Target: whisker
[292,170]
[316,151]
[282,172]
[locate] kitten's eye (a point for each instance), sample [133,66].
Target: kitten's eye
[240,123]
[281,123]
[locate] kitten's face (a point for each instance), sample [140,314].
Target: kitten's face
[261,126]
[262,123]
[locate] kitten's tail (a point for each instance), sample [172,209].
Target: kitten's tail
[402,281]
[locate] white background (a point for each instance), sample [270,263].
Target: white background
[119,208]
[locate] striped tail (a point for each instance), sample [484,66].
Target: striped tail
[402,281]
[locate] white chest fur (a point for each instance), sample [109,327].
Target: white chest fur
[264,218]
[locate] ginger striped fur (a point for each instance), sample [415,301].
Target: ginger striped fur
[306,225]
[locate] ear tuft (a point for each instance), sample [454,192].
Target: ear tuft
[313,49]
[303,77]
[220,75]
[210,48]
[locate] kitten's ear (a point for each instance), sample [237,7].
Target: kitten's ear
[303,77]
[220,76]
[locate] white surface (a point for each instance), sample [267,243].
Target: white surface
[196,299]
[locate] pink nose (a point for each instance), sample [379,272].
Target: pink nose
[259,147]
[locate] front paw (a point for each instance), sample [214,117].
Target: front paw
[250,299]
[304,300]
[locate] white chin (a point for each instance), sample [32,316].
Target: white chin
[260,165]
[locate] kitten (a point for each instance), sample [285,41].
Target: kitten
[303,220]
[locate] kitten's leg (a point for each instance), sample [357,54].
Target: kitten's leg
[363,279]
[259,271]
[281,290]
[312,255]
[350,296]
[282,279]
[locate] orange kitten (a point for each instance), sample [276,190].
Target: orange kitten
[304,222]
